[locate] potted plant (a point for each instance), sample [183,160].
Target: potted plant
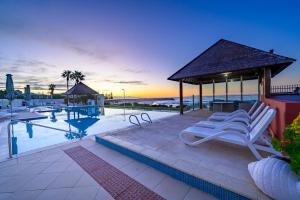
[290,145]
[279,177]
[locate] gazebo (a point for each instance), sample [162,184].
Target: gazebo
[80,89]
[226,60]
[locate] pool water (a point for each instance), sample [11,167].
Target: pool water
[77,123]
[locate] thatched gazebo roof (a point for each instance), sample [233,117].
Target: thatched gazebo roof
[227,56]
[226,60]
[81,89]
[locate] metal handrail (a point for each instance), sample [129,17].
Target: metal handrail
[138,122]
[149,119]
[14,121]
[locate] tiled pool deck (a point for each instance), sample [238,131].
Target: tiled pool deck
[52,174]
[221,164]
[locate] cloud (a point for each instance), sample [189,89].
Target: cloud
[32,63]
[22,65]
[22,28]
[81,49]
[126,82]
[135,71]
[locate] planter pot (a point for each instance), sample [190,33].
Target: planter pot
[274,177]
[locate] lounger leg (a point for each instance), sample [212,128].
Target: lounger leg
[269,149]
[254,151]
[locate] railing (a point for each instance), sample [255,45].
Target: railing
[14,121]
[285,89]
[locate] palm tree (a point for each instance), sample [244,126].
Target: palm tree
[77,76]
[51,89]
[67,75]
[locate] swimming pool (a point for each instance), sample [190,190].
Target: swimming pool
[27,136]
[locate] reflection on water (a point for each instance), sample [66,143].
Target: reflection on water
[29,129]
[53,117]
[79,121]
[78,118]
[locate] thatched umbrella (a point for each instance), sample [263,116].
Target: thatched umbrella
[10,90]
[27,94]
[80,89]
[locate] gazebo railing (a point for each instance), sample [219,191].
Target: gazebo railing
[286,89]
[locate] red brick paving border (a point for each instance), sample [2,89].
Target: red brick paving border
[118,184]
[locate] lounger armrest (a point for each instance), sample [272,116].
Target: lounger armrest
[231,132]
[228,114]
[238,111]
[236,127]
[245,121]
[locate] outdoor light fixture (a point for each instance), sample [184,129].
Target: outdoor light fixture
[124,103]
[226,74]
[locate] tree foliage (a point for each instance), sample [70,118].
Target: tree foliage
[290,144]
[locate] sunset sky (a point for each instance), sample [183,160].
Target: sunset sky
[137,45]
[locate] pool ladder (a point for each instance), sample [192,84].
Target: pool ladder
[137,123]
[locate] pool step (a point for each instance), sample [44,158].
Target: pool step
[201,184]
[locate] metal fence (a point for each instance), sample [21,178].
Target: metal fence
[286,89]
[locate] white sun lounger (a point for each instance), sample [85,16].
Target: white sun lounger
[234,121]
[238,114]
[250,112]
[234,136]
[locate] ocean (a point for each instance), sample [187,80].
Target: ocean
[206,99]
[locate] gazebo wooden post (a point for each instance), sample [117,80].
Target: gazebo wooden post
[213,89]
[200,96]
[267,82]
[181,97]
[193,102]
[241,88]
[258,87]
[226,89]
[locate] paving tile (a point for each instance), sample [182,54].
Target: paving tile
[103,195]
[57,194]
[51,157]
[40,181]
[150,178]
[66,179]
[137,191]
[74,167]
[173,189]
[14,183]
[134,168]
[14,170]
[35,168]
[31,158]
[119,161]
[57,167]
[195,194]
[26,195]
[245,188]
[79,193]
[86,143]
[86,180]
